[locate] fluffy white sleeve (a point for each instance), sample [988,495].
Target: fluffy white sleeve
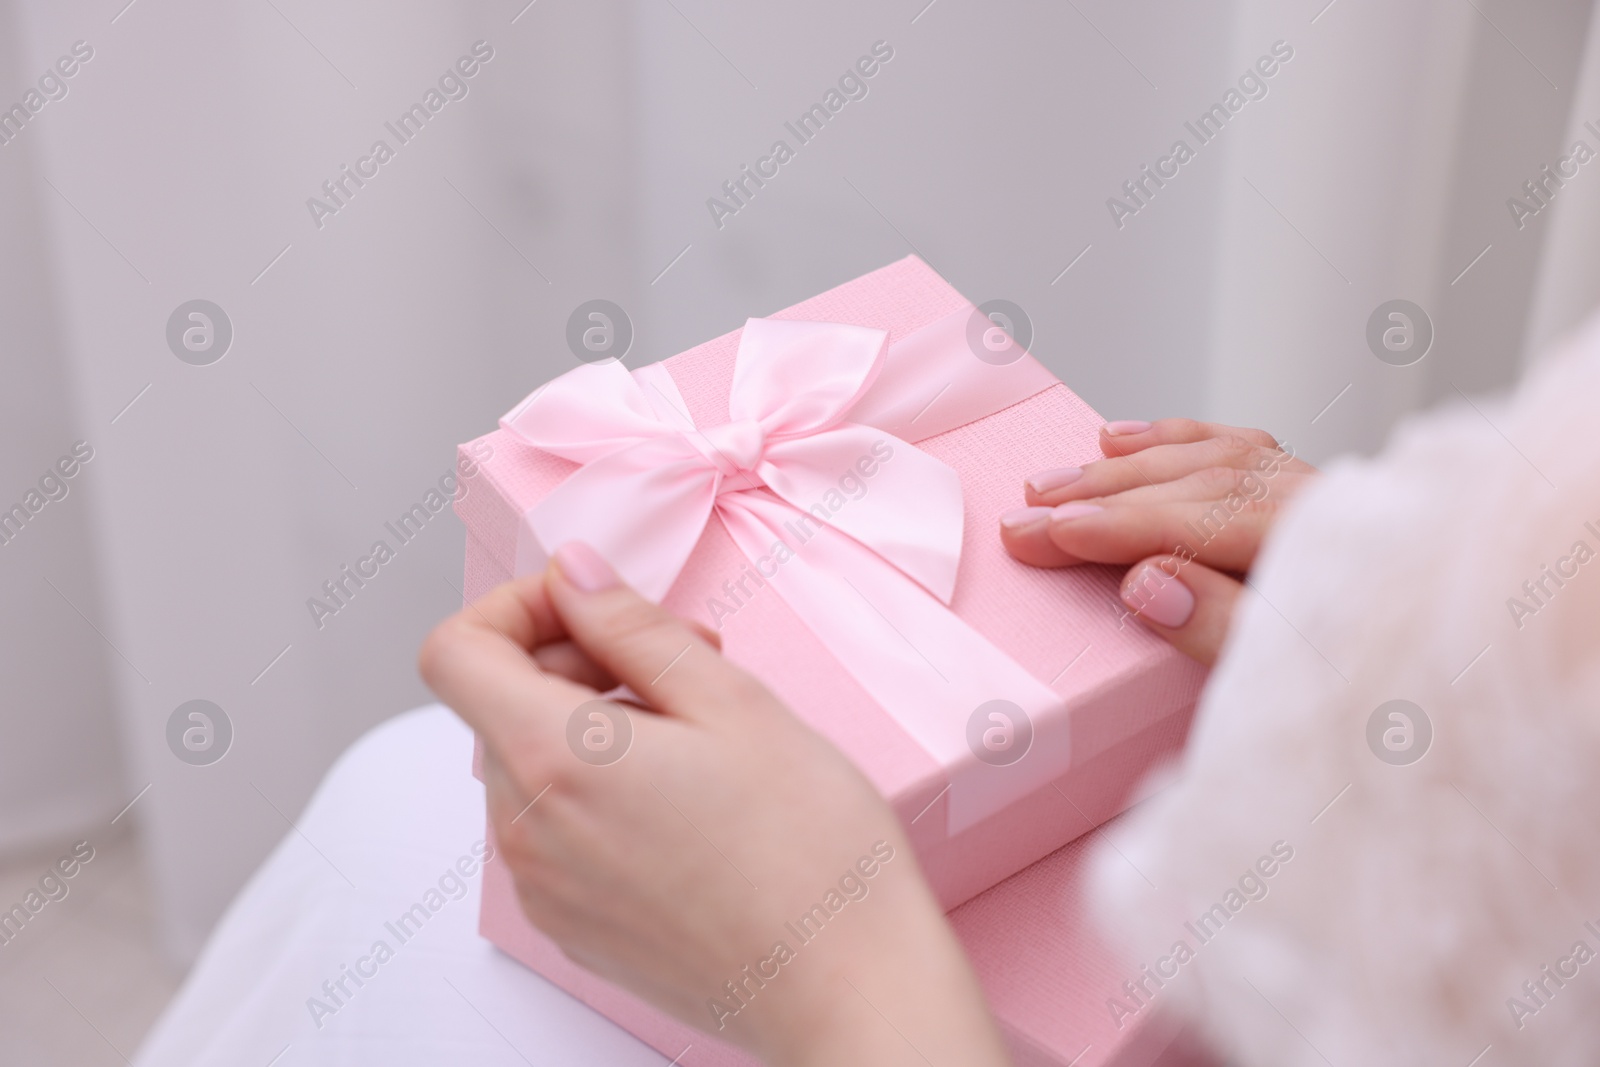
[1305,889]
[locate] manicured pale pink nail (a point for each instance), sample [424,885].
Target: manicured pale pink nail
[1126,426]
[1048,481]
[1074,511]
[1022,518]
[1163,600]
[584,567]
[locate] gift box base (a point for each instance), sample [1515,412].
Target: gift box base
[1045,968]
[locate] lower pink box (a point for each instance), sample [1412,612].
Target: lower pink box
[1046,969]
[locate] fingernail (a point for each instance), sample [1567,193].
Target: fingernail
[1022,518]
[1163,600]
[584,567]
[1074,511]
[1126,426]
[1046,481]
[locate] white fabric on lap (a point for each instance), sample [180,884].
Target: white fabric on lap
[394,816]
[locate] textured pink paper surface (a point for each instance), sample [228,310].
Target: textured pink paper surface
[1130,694]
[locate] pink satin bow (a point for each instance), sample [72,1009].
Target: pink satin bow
[650,480]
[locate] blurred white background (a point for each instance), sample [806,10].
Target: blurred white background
[220,497]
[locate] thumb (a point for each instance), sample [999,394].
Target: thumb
[665,661]
[1187,603]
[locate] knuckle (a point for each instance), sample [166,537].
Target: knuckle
[1234,448]
[516,848]
[1179,429]
[1107,475]
[530,778]
[1246,490]
[745,690]
[528,773]
[637,622]
[1220,481]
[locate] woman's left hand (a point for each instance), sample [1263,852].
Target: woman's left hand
[1186,505]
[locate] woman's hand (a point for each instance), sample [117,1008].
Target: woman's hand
[1187,504]
[731,866]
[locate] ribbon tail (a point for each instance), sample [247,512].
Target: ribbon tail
[589,412]
[933,380]
[643,509]
[931,672]
[891,496]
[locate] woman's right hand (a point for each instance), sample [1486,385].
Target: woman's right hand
[702,861]
[1187,505]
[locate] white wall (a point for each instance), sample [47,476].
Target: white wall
[1400,133]
[407,323]
[59,764]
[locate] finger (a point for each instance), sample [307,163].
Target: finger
[478,662]
[1025,533]
[712,637]
[1235,488]
[1124,437]
[645,647]
[1153,466]
[576,665]
[1189,604]
[471,662]
[516,615]
[1123,533]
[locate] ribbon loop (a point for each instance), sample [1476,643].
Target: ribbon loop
[794,384]
[800,378]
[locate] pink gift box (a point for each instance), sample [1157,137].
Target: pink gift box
[1125,696]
